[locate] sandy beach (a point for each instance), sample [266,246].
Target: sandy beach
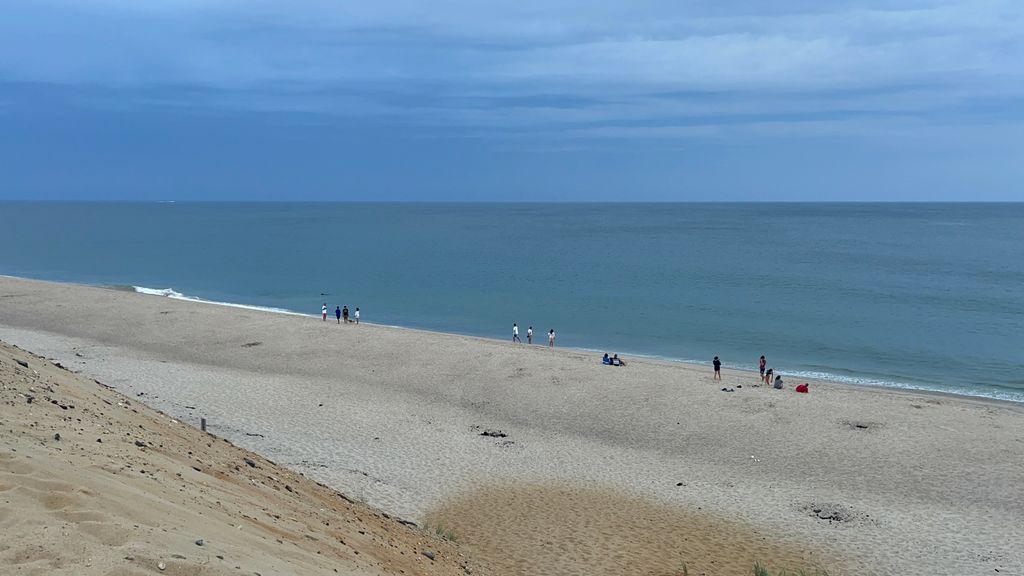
[545,462]
[93,482]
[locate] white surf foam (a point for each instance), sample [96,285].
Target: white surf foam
[169,292]
[172,293]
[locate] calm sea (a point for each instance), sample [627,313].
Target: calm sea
[911,295]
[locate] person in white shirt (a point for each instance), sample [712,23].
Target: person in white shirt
[551,338]
[529,335]
[324,311]
[515,333]
[357,315]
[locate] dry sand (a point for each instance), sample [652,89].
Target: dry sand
[601,470]
[93,482]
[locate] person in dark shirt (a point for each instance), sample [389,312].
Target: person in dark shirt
[718,368]
[337,313]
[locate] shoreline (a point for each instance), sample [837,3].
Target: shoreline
[872,480]
[793,376]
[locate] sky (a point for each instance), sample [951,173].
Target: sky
[469,100]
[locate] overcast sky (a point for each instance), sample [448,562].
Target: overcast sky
[526,100]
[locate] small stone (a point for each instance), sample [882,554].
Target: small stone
[429,554]
[22,363]
[129,557]
[57,436]
[178,556]
[162,566]
[200,542]
[140,443]
[100,440]
[249,462]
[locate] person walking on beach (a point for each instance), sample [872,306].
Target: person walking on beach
[529,335]
[515,333]
[357,314]
[718,368]
[761,366]
[337,313]
[323,310]
[344,314]
[551,338]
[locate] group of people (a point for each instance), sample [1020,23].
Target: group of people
[766,374]
[529,335]
[341,313]
[613,361]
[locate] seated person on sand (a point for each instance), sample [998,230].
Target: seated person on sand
[617,362]
[606,360]
[778,383]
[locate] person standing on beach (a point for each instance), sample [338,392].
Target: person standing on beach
[718,368]
[515,333]
[344,314]
[357,314]
[529,335]
[337,313]
[323,310]
[761,366]
[551,338]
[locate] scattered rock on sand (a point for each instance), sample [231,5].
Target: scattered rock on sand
[140,443]
[429,554]
[249,462]
[162,566]
[57,436]
[200,542]
[493,433]
[833,512]
[22,363]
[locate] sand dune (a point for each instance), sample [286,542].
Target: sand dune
[93,482]
[600,470]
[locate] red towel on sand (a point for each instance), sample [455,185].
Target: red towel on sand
[802,389]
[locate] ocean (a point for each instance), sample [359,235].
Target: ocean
[926,296]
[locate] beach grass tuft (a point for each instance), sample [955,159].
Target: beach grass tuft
[440,530]
[762,570]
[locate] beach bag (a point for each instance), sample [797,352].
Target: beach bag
[802,389]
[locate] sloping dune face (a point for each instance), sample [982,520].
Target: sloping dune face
[92,482]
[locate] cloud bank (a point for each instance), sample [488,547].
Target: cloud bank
[911,75]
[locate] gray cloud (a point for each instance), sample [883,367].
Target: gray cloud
[573,75]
